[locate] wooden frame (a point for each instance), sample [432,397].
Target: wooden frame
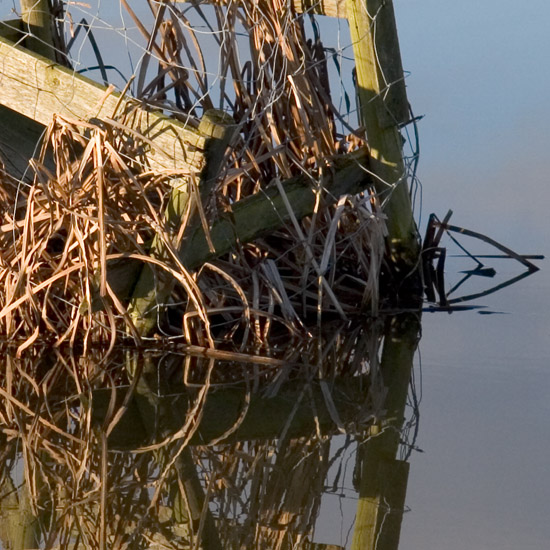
[33,86]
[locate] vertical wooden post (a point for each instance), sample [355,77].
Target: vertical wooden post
[218,128]
[37,20]
[383,106]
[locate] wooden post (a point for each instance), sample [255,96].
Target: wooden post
[11,30]
[37,21]
[151,290]
[382,107]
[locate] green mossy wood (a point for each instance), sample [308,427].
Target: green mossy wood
[383,107]
[152,290]
[249,219]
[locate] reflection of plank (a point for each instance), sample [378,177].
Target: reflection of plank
[38,89]
[291,411]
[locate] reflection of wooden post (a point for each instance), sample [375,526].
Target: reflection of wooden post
[381,498]
[383,107]
[37,20]
[383,478]
[19,528]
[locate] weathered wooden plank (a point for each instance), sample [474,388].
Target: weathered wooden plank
[37,88]
[330,8]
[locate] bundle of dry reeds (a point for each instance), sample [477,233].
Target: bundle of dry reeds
[94,220]
[74,239]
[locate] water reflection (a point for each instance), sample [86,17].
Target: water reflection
[150,450]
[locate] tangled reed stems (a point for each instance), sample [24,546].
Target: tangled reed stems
[121,448]
[84,221]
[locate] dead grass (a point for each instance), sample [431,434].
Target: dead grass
[93,201]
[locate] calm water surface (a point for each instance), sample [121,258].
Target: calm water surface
[483,481]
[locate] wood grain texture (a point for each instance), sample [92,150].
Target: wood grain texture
[39,89]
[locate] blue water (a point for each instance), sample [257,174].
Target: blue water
[483,481]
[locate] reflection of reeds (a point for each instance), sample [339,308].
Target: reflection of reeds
[175,489]
[75,237]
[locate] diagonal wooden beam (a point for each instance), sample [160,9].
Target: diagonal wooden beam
[265,212]
[250,218]
[33,86]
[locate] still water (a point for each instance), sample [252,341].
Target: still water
[483,481]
